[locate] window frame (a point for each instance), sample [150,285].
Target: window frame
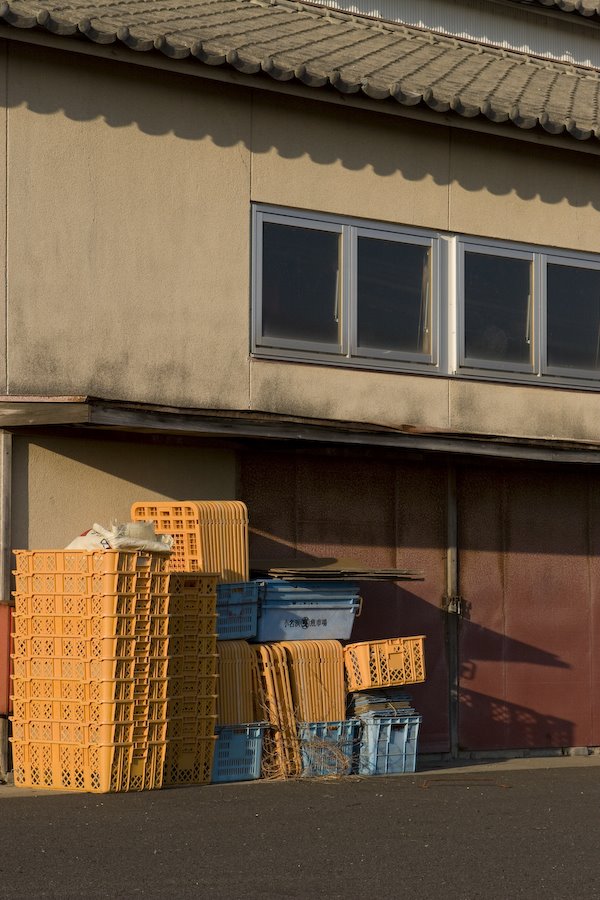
[400,237]
[469,364]
[578,262]
[347,353]
[301,346]
[447,304]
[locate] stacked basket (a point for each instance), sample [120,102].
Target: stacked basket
[191,683]
[82,666]
[209,535]
[388,732]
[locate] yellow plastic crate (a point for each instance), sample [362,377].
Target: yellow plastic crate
[74,668]
[84,562]
[316,673]
[74,626]
[84,733]
[209,535]
[386,663]
[76,691]
[240,688]
[73,767]
[189,762]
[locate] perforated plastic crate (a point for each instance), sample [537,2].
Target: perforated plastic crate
[78,627]
[74,583]
[192,728]
[74,668]
[75,605]
[237,610]
[388,745]
[209,535]
[59,710]
[87,733]
[203,665]
[99,769]
[395,661]
[189,762]
[86,562]
[329,748]
[238,752]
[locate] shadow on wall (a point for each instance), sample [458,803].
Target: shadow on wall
[86,89]
[391,610]
[510,726]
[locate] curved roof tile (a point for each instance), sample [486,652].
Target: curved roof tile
[587,8]
[320,47]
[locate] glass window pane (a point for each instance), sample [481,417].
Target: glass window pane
[497,308]
[300,283]
[393,296]
[573,303]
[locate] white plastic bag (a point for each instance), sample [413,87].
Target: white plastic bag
[123,536]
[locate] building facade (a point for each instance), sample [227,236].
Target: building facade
[341,267]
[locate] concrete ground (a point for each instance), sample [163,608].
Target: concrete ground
[489,829]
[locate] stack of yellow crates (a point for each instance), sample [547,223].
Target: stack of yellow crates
[240,690]
[81,670]
[281,753]
[316,671]
[209,535]
[192,676]
[302,681]
[115,672]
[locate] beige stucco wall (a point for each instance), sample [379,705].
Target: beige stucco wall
[62,486]
[126,275]
[129,195]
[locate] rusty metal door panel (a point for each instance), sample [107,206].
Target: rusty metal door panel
[525,660]
[379,512]
[594,574]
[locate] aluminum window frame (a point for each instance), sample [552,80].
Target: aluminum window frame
[447,357]
[399,236]
[470,364]
[346,353]
[578,261]
[261,341]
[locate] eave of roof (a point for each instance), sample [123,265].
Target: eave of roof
[34,414]
[322,49]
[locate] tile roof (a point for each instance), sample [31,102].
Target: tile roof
[583,7]
[325,49]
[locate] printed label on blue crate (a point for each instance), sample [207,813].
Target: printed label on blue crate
[305,622]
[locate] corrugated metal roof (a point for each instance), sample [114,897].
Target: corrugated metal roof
[326,49]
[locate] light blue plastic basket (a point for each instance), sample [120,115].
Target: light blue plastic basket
[388,744]
[238,752]
[328,748]
[237,611]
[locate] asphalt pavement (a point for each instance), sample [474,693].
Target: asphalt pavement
[488,831]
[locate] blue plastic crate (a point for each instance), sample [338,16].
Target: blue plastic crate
[301,622]
[388,745]
[238,752]
[281,591]
[237,610]
[328,748]
[306,610]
